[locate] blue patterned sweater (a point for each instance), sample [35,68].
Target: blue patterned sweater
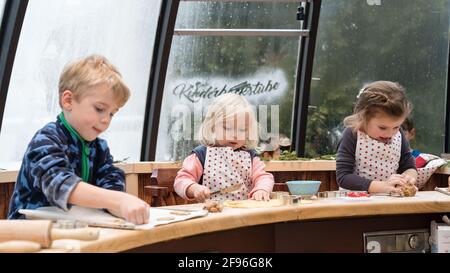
[52,167]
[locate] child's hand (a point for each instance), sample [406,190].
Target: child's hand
[199,192]
[411,181]
[397,181]
[261,195]
[134,210]
[408,179]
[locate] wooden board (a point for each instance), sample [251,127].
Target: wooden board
[253,203]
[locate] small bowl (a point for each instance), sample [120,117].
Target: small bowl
[303,187]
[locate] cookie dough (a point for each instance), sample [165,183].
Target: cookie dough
[213,206]
[408,191]
[179,213]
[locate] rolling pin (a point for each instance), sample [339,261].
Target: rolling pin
[17,246]
[41,231]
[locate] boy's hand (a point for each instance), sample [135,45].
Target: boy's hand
[199,192]
[134,210]
[261,195]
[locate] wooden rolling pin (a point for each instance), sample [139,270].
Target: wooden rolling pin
[41,231]
[19,247]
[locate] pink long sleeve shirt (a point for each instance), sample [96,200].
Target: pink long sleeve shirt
[192,171]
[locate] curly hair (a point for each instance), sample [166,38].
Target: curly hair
[378,97]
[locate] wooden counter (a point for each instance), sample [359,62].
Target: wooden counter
[138,176]
[302,228]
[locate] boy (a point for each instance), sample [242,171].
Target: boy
[410,133]
[65,163]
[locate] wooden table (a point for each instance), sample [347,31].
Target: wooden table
[327,225]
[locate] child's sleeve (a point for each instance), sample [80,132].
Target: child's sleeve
[50,170]
[345,164]
[407,160]
[261,180]
[190,173]
[107,175]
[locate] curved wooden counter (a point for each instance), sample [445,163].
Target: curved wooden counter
[322,210]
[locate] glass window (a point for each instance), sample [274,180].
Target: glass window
[2,8]
[56,32]
[358,42]
[261,67]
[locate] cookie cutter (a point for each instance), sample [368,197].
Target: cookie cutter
[278,195]
[292,199]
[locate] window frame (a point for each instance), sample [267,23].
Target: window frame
[158,70]
[304,77]
[447,108]
[11,26]
[308,35]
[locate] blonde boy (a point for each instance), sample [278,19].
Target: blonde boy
[66,163]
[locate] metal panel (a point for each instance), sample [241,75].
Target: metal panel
[396,241]
[242,32]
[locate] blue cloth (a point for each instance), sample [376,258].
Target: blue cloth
[415,153]
[52,167]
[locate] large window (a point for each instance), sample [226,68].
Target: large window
[256,63]
[58,31]
[358,42]
[2,8]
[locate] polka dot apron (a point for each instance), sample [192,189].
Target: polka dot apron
[225,167]
[376,160]
[424,174]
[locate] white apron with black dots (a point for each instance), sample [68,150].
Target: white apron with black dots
[225,167]
[424,173]
[376,160]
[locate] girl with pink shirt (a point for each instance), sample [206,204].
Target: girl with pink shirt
[228,134]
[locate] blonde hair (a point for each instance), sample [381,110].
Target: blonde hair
[93,70]
[378,97]
[225,107]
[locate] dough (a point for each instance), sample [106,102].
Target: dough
[253,203]
[408,191]
[213,206]
[168,218]
[179,213]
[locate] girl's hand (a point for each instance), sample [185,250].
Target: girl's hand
[397,180]
[261,195]
[407,178]
[200,193]
[411,181]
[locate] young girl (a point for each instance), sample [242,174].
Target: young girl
[229,134]
[374,154]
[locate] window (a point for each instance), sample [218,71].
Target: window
[358,42]
[247,47]
[2,8]
[56,32]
